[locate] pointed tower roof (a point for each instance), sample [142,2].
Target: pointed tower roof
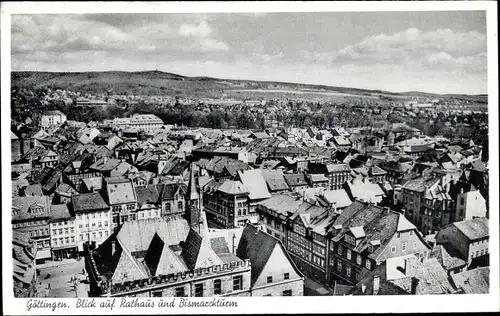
[192,189]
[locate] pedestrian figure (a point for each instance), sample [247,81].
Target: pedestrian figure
[49,286]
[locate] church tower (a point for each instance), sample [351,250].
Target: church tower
[194,202]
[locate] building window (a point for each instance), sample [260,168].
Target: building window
[399,235]
[339,250]
[358,259]
[217,286]
[179,292]
[54,241]
[287,276]
[348,270]
[287,293]
[414,245]
[393,249]
[179,205]
[269,279]
[349,254]
[198,289]
[368,264]
[339,266]
[157,294]
[403,247]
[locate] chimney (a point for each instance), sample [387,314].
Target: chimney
[376,284]
[387,210]
[414,284]
[113,247]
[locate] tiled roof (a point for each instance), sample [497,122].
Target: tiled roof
[255,182]
[295,179]
[24,203]
[120,191]
[475,281]
[219,245]
[59,212]
[105,164]
[474,228]
[318,178]
[275,180]
[33,190]
[376,170]
[337,197]
[94,183]
[233,187]
[445,259]
[88,202]
[337,168]
[284,204]
[136,235]
[365,190]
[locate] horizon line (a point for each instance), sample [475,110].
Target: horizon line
[276,81]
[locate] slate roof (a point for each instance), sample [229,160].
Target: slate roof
[474,228]
[88,202]
[169,190]
[257,246]
[149,194]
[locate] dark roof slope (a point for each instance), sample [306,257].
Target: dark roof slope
[88,202]
[257,246]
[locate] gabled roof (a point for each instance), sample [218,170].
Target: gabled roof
[197,253]
[475,281]
[88,202]
[338,198]
[255,182]
[257,246]
[295,179]
[149,194]
[275,180]
[169,190]
[474,228]
[233,187]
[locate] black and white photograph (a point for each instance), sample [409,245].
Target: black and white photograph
[160,155]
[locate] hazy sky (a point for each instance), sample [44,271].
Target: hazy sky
[442,52]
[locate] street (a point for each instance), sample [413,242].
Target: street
[58,284]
